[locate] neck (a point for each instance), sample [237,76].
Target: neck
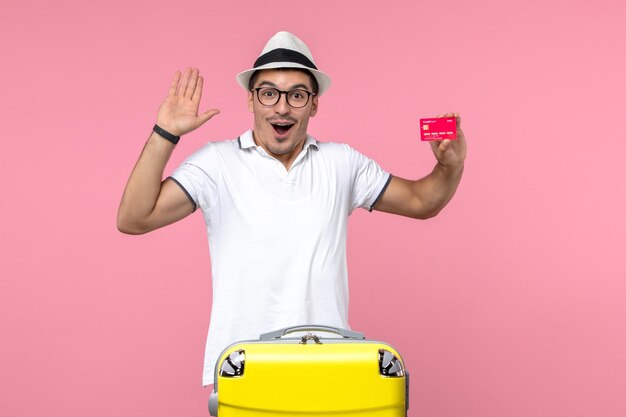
[286,158]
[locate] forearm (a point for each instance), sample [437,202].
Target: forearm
[434,192]
[144,185]
[423,198]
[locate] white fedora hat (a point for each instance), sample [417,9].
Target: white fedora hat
[285,50]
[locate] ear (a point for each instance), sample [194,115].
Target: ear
[251,101]
[314,106]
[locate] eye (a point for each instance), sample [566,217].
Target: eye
[268,92]
[297,94]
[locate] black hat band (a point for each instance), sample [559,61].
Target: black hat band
[284,55]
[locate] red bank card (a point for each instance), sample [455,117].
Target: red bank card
[438,128]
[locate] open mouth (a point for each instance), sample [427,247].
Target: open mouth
[282,128]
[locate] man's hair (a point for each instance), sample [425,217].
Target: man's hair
[314,85]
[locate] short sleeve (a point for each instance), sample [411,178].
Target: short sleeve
[197,176]
[369,180]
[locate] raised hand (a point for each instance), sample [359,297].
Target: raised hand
[451,153]
[178,113]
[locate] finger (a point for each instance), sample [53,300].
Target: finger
[174,85]
[197,94]
[439,146]
[434,145]
[182,86]
[204,117]
[191,85]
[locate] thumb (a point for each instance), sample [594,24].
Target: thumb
[204,117]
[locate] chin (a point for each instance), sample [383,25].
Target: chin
[281,148]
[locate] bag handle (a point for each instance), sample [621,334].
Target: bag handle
[277,334]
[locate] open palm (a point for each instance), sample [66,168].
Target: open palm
[178,113]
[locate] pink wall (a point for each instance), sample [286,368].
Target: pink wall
[510,303]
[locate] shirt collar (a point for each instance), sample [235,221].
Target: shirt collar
[247,141]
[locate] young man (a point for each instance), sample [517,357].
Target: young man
[275,200]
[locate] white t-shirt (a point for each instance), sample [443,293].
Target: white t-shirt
[277,238]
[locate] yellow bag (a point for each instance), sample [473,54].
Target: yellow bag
[311,375]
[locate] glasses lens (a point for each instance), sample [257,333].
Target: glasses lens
[268,96]
[297,98]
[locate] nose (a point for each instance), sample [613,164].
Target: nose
[282,107]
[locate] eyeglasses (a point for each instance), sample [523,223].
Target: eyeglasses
[268,96]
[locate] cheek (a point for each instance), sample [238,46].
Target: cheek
[259,120]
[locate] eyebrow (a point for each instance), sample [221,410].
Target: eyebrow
[293,87]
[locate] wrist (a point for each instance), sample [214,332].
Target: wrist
[167,135]
[451,169]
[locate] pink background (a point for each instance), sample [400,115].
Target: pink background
[510,303]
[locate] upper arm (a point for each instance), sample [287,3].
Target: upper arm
[172,205]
